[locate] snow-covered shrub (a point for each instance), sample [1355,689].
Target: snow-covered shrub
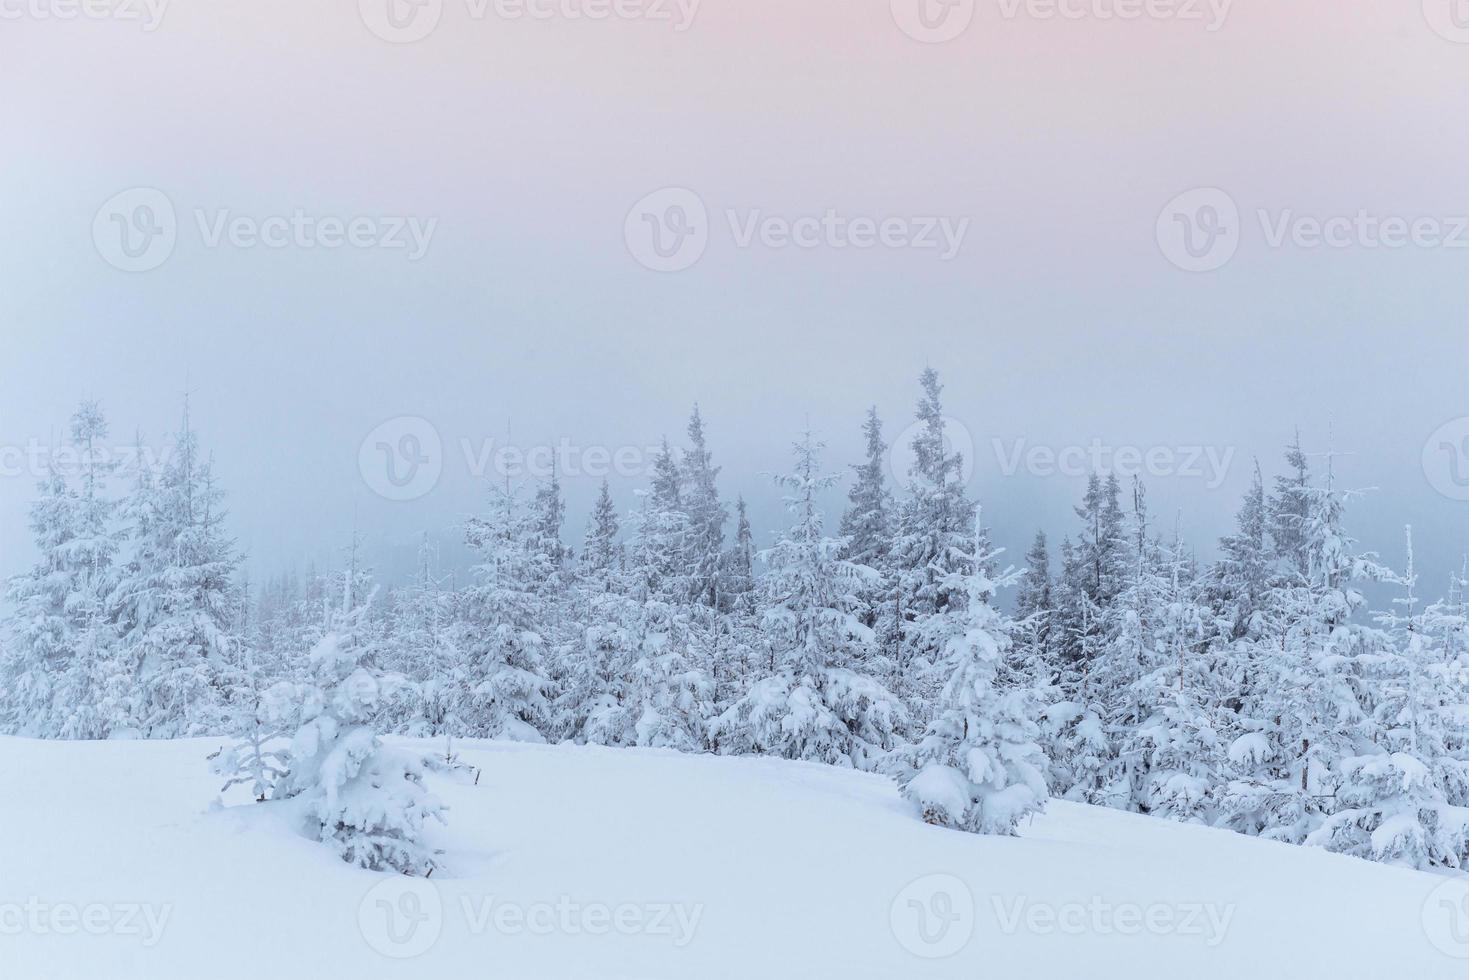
[260,758]
[1389,810]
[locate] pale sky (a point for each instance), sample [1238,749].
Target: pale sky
[518,147]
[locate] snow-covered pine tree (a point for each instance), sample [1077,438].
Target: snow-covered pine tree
[174,596]
[669,693]
[94,693]
[1288,510]
[41,635]
[810,702]
[366,800]
[422,644]
[706,519]
[978,766]
[664,693]
[1242,621]
[932,543]
[1175,749]
[1035,613]
[601,553]
[1390,802]
[739,561]
[867,524]
[592,687]
[502,616]
[1239,587]
[1446,622]
[1087,621]
[596,689]
[61,674]
[1311,712]
[1073,729]
[549,514]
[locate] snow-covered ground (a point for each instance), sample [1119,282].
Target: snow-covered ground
[582,862]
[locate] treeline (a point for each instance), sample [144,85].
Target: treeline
[1254,692]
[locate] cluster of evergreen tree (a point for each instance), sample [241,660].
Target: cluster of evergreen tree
[1254,693]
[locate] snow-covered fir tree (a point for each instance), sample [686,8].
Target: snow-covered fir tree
[175,594]
[501,628]
[706,519]
[931,544]
[1035,611]
[1391,803]
[1252,692]
[62,673]
[601,552]
[352,792]
[978,765]
[812,701]
[867,524]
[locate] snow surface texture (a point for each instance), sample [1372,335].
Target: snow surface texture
[586,862]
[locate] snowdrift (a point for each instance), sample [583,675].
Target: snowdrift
[582,862]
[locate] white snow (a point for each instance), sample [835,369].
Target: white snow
[730,867]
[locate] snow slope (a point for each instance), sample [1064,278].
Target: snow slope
[579,862]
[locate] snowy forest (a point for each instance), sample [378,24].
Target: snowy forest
[1109,665]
